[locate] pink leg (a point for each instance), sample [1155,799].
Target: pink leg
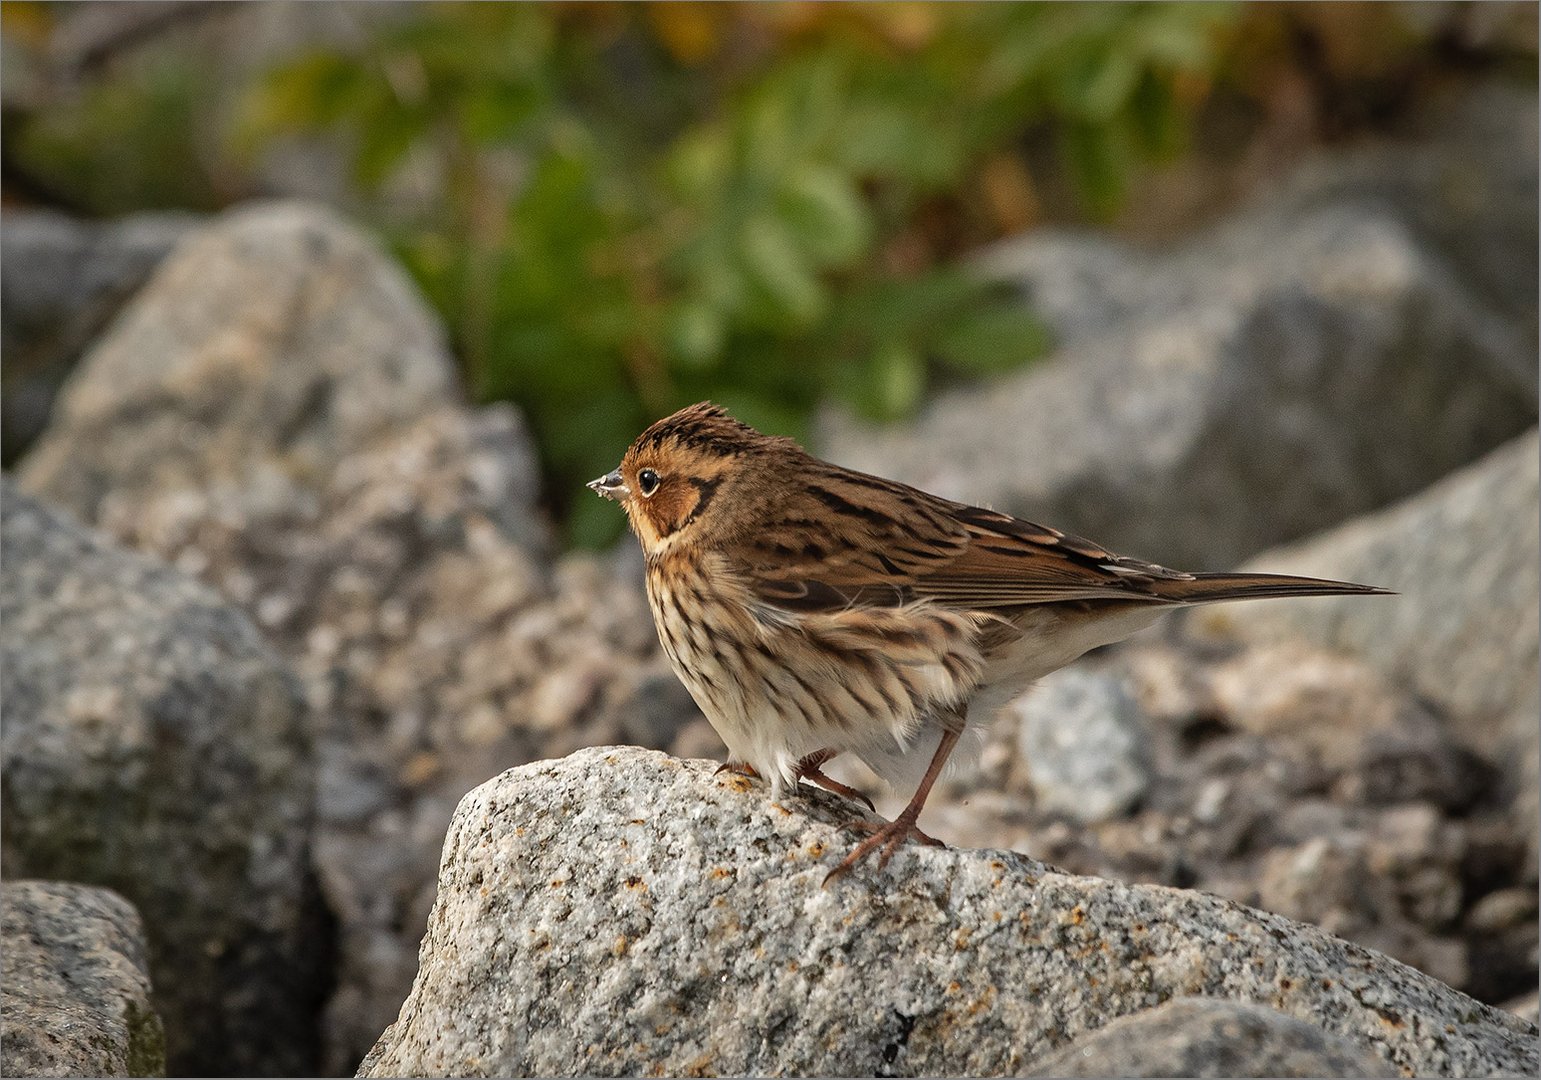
[889,837]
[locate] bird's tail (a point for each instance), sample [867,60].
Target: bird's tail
[1209,588]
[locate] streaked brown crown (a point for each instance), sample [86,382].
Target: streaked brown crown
[703,459]
[704,428]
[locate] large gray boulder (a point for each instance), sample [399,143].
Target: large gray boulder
[276,414]
[1320,353]
[624,912]
[1477,208]
[279,333]
[155,744]
[1466,629]
[410,588]
[1208,1037]
[383,536]
[76,999]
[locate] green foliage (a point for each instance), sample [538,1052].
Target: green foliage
[621,209]
[121,147]
[646,253]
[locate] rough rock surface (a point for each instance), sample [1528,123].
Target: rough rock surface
[622,912]
[411,591]
[1330,347]
[155,744]
[1283,777]
[76,1000]
[1206,1037]
[392,549]
[1466,629]
[61,280]
[277,332]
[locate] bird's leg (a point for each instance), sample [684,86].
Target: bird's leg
[809,769]
[896,832]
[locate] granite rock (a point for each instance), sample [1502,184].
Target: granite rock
[155,744]
[1206,1037]
[76,1000]
[1466,629]
[1340,343]
[277,333]
[623,912]
[1477,208]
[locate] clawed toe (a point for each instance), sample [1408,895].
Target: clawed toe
[863,825]
[742,768]
[889,836]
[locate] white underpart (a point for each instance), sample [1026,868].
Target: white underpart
[762,703]
[1049,641]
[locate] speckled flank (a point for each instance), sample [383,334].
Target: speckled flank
[777,689]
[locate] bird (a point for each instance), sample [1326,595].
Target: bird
[813,611]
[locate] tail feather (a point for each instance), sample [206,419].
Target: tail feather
[1210,588]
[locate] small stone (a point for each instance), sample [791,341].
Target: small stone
[1080,737]
[76,1000]
[1502,910]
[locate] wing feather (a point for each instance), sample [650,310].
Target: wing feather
[843,539]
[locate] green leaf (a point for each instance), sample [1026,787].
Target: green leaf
[695,334]
[1182,36]
[987,340]
[698,163]
[825,213]
[314,91]
[500,112]
[1099,163]
[382,146]
[1108,87]
[788,284]
[892,382]
[1155,121]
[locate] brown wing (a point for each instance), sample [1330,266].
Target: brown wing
[839,539]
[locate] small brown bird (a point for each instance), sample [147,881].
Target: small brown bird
[814,611]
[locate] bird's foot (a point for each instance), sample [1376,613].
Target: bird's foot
[889,836]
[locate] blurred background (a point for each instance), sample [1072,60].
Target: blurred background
[618,209]
[329,310]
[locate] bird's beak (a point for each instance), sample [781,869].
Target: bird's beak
[610,486]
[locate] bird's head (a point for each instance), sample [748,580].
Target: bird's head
[689,479]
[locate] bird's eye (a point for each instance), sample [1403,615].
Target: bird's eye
[647,482]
